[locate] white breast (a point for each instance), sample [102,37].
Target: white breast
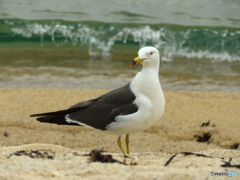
[150,101]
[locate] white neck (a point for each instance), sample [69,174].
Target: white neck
[150,68]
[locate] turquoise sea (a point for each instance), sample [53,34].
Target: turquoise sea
[90,44]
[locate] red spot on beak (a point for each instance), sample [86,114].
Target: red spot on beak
[132,63]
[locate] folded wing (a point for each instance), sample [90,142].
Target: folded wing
[97,112]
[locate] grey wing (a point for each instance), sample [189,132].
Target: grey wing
[105,108]
[84,103]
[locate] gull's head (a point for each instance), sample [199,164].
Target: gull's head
[148,56]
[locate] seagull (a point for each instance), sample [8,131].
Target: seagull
[129,109]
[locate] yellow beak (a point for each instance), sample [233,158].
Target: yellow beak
[136,61]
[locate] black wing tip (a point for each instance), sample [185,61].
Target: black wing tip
[34,115]
[56,113]
[48,114]
[43,119]
[59,120]
[43,115]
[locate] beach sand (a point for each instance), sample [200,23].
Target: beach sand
[204,122]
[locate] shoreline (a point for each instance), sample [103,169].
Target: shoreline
[109,80]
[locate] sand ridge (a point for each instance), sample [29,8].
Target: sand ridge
[72,164]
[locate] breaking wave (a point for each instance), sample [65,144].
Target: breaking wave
[213,43]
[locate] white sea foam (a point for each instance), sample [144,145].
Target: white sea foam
[188,43]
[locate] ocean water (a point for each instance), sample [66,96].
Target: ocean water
[90,44]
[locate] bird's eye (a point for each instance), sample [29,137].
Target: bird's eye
[151,53]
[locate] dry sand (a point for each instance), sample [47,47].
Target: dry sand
[180,129]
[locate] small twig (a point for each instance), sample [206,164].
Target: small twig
[228,164]
[186,154]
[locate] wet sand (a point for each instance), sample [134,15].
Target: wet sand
[25,65]
[192,121]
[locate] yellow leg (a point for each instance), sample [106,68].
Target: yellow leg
[120,145]
[127,143]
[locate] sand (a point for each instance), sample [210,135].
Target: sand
[203,122]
